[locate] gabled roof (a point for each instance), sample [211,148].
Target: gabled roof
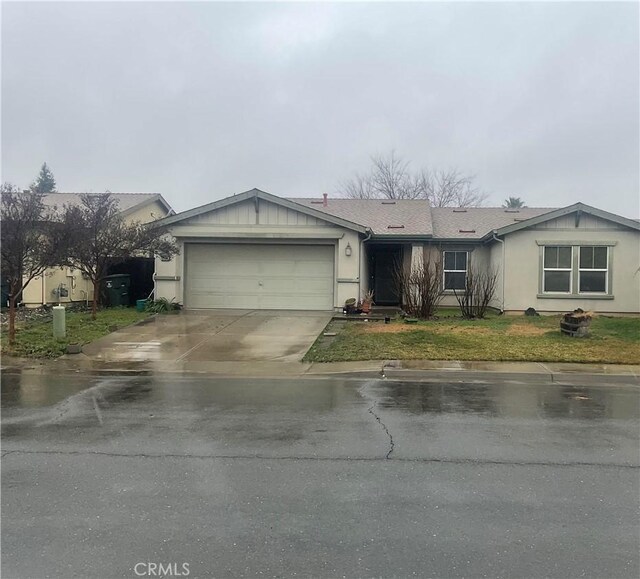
[477,222]
[127,202]
[575,208]
[384,217]
[258,194]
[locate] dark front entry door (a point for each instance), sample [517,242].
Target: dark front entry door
[383,262]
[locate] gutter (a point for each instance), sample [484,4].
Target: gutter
[504,269]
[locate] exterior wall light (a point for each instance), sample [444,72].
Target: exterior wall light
[347,250]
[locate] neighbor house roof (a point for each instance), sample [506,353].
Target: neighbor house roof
[127,202]
[407,217]
[477,222]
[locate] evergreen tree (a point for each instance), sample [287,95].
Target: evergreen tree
[45,183]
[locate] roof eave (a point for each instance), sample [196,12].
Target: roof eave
[566,211]
[145,202]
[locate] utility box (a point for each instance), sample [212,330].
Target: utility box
[117,288]
[59,322]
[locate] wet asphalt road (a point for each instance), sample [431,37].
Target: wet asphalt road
[317,477]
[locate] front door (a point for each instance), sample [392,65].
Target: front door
[383,263]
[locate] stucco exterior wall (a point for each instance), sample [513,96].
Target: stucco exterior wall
[147,213]
[43,289]
[479,257]
[523,269]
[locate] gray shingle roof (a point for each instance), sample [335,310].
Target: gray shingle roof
[125,200]
[476,222]
[382,216]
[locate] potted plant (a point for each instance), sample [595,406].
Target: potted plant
[367,302]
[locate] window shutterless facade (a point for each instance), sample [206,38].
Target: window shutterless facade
[593,271]
[576,270]
[454,269]
[557,269]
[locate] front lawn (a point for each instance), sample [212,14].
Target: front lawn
[35,339]
[498,338]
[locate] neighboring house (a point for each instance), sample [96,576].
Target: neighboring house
[255,250]
[63,285]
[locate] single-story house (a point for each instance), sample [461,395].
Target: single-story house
[256,250]
[64,285]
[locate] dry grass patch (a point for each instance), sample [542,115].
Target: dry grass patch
[525,330]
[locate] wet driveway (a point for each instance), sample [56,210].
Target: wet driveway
[213,335]
[321,477]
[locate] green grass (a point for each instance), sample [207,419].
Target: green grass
[497,338]
[35,340]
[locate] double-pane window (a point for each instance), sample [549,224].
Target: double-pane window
[557,268]
[455,270]
[594,269]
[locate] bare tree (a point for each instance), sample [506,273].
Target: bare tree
[391,177]
[99,237]
[419,287]
[31,242]
[479,289]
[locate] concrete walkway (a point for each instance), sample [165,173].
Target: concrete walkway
[192,337]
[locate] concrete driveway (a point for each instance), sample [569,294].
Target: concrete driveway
[193,337]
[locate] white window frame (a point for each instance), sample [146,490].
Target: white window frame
[581,269]
[569,269]
[446,271]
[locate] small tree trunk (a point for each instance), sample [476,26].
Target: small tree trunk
[12,318]
[96,295]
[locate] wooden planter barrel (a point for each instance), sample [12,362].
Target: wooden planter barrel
[575,326]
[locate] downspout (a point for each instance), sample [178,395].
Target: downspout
[504,269]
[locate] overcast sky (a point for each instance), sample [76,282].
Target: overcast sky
[202,100]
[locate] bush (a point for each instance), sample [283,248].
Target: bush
[419,287]
[479,288]
[161,305]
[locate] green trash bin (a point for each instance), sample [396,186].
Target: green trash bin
[5,295]
[117,289]
[141,305]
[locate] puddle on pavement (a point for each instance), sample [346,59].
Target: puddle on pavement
[24,390]
[511,400]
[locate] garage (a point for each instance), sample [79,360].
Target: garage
[259,276]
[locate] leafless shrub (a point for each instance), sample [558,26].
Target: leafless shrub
[419,287]
[480,287]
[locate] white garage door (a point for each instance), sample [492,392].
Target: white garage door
[266,277]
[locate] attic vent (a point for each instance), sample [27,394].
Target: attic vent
[512,210]
[519,219]
[388,202]
[459,210]
[466,230]
[395,226]
[317,202]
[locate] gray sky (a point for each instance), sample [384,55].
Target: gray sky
[199,101]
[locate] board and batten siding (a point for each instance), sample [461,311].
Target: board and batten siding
[245,214]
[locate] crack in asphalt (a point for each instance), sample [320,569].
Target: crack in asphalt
[318,458]
[384,427]
[371,410]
